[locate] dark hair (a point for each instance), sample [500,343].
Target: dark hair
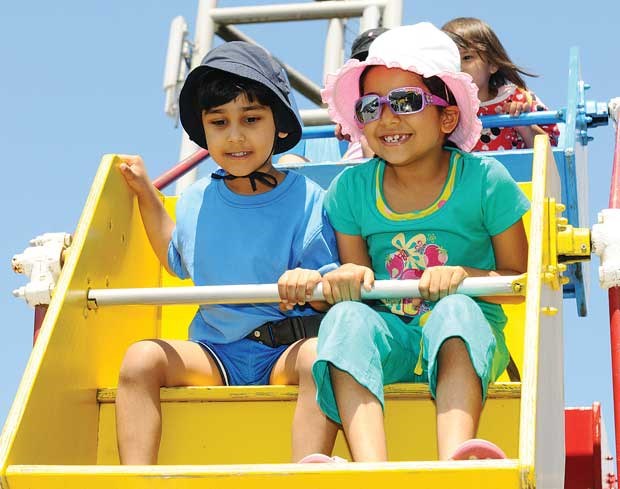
[436,86]
[219,87]
[476,35]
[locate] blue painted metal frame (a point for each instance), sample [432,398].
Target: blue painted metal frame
[576,136]
[529,118]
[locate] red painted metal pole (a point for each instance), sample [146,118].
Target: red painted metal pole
[180,169]
[614,298]
[39,315]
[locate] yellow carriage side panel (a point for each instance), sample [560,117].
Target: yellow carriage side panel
[515,326]
[175,319]
[55,413]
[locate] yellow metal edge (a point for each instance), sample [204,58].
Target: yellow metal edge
[481,474]
[538,259]
[500,390]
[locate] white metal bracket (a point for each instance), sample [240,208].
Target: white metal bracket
[614,109]
[606,244]
[41,262]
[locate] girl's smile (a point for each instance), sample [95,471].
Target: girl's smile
[395,139]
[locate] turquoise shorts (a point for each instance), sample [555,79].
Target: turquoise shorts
[378,348]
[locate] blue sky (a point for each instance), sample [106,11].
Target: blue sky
[81,79]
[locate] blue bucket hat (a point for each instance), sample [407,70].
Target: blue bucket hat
[247,61]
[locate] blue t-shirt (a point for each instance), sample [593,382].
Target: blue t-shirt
[223,238]
[479,200]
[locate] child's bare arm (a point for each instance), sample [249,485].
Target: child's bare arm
[344,283]
[510,248]
[157,223]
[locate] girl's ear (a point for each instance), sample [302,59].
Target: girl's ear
[282,135]
[449,119]
[493,68]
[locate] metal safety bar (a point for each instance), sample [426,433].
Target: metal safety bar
[316,117]
[268,293]
[293,11]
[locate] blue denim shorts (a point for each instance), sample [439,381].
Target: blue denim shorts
[244,362]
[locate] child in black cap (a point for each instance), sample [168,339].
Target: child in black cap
[359,51]
[250,223]
[361,44]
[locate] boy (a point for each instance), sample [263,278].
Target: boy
[248,224]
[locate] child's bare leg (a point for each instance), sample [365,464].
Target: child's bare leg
[362,418]
[458,397]
[147,366]
[313,432]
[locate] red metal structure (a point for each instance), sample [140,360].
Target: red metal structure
[614,294]
[180,169]
[588,461]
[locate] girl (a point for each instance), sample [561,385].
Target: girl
[424,207]
[501,88]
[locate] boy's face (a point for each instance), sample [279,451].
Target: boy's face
[240,135]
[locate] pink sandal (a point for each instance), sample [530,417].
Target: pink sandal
[320,458]
[477,449]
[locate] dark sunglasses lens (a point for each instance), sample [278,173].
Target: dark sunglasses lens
[405,101]
[367,109]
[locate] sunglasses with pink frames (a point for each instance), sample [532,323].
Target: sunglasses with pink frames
[401,101]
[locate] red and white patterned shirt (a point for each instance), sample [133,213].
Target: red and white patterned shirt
[502,138]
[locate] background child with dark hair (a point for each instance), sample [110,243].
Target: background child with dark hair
[501,88]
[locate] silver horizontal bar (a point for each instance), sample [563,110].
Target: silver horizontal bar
[292,11]
[316,117]
[298,80]
[268,293]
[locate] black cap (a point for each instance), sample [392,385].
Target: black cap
[361,44]
[247,61]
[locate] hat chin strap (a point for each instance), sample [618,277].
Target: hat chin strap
[260,176]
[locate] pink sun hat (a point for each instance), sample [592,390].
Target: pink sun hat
[420,48]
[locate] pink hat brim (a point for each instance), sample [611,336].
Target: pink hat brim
[342,91]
